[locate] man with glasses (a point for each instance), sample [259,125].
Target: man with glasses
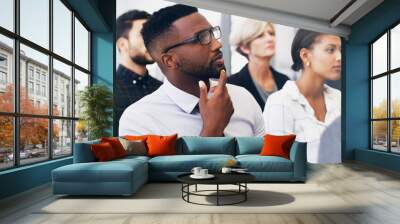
[187,50]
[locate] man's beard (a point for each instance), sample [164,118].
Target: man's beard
[201,72]
[215,70]
[142,60]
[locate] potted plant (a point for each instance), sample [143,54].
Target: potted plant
[96,102]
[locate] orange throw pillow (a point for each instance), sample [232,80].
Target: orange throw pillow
[136,138]
[103,151]
[116,145]
[161,145]
[277,145]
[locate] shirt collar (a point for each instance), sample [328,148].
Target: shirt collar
[329,95]
[131,75]
[291,88]
[187,102]
[293,91]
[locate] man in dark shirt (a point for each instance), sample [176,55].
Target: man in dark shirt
[132,79]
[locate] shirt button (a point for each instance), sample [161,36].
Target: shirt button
[134,81]
[140,78]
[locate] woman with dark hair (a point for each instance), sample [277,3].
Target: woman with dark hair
[255,40]
[308,107]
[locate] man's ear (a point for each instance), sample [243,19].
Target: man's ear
[122,45]
[169,61]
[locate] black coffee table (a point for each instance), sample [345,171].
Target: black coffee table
[238,179]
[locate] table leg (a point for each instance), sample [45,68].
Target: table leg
[245,193]
[188,189]
[217,194]
[182,190]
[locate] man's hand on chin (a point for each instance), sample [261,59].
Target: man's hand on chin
[217,110]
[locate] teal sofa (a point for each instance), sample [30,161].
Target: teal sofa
[125,176]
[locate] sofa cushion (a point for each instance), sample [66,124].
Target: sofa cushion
[136,137]
[257,163]
[249,145]
[111,171]
[185,163]
[103,152]
[135,147]
[277,145]
[161,145]
[206,145]
[131,158]
[83,153]
[116,145]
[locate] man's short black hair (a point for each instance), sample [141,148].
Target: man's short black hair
[160,22]
[124,21]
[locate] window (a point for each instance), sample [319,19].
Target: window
[385,94]
[3,72]
[38,89]
[30,87]
[62,140]
[6,143]
[55,103]
[3,78]
[62,75]
[7,14]
[30,72]
[37,74]
[54,126]
[33,149]
[62,29]
[81,45]
[34,21]
[81,81]
[3,61]
[44,91]
[395,47]
[7,74]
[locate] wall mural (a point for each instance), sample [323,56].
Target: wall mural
[172,77]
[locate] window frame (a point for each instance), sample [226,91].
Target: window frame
[16,114]
[388,74]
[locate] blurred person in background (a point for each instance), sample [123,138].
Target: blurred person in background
[255,40]
[308,107]
[132,77]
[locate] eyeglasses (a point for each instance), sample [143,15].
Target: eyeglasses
[203,37]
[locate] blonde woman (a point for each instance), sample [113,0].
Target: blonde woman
[308,107]
[255,40]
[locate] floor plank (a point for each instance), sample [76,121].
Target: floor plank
[376,189]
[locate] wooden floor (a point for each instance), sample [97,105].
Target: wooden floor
[378,188]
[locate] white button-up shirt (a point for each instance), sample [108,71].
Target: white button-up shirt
[288,112]
[169,110]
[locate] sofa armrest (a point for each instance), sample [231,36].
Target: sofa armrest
[83,152]
[298,155]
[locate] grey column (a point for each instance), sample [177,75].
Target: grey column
[226,50]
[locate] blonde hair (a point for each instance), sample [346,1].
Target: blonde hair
[246,31]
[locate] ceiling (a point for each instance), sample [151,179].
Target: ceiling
[328,16]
